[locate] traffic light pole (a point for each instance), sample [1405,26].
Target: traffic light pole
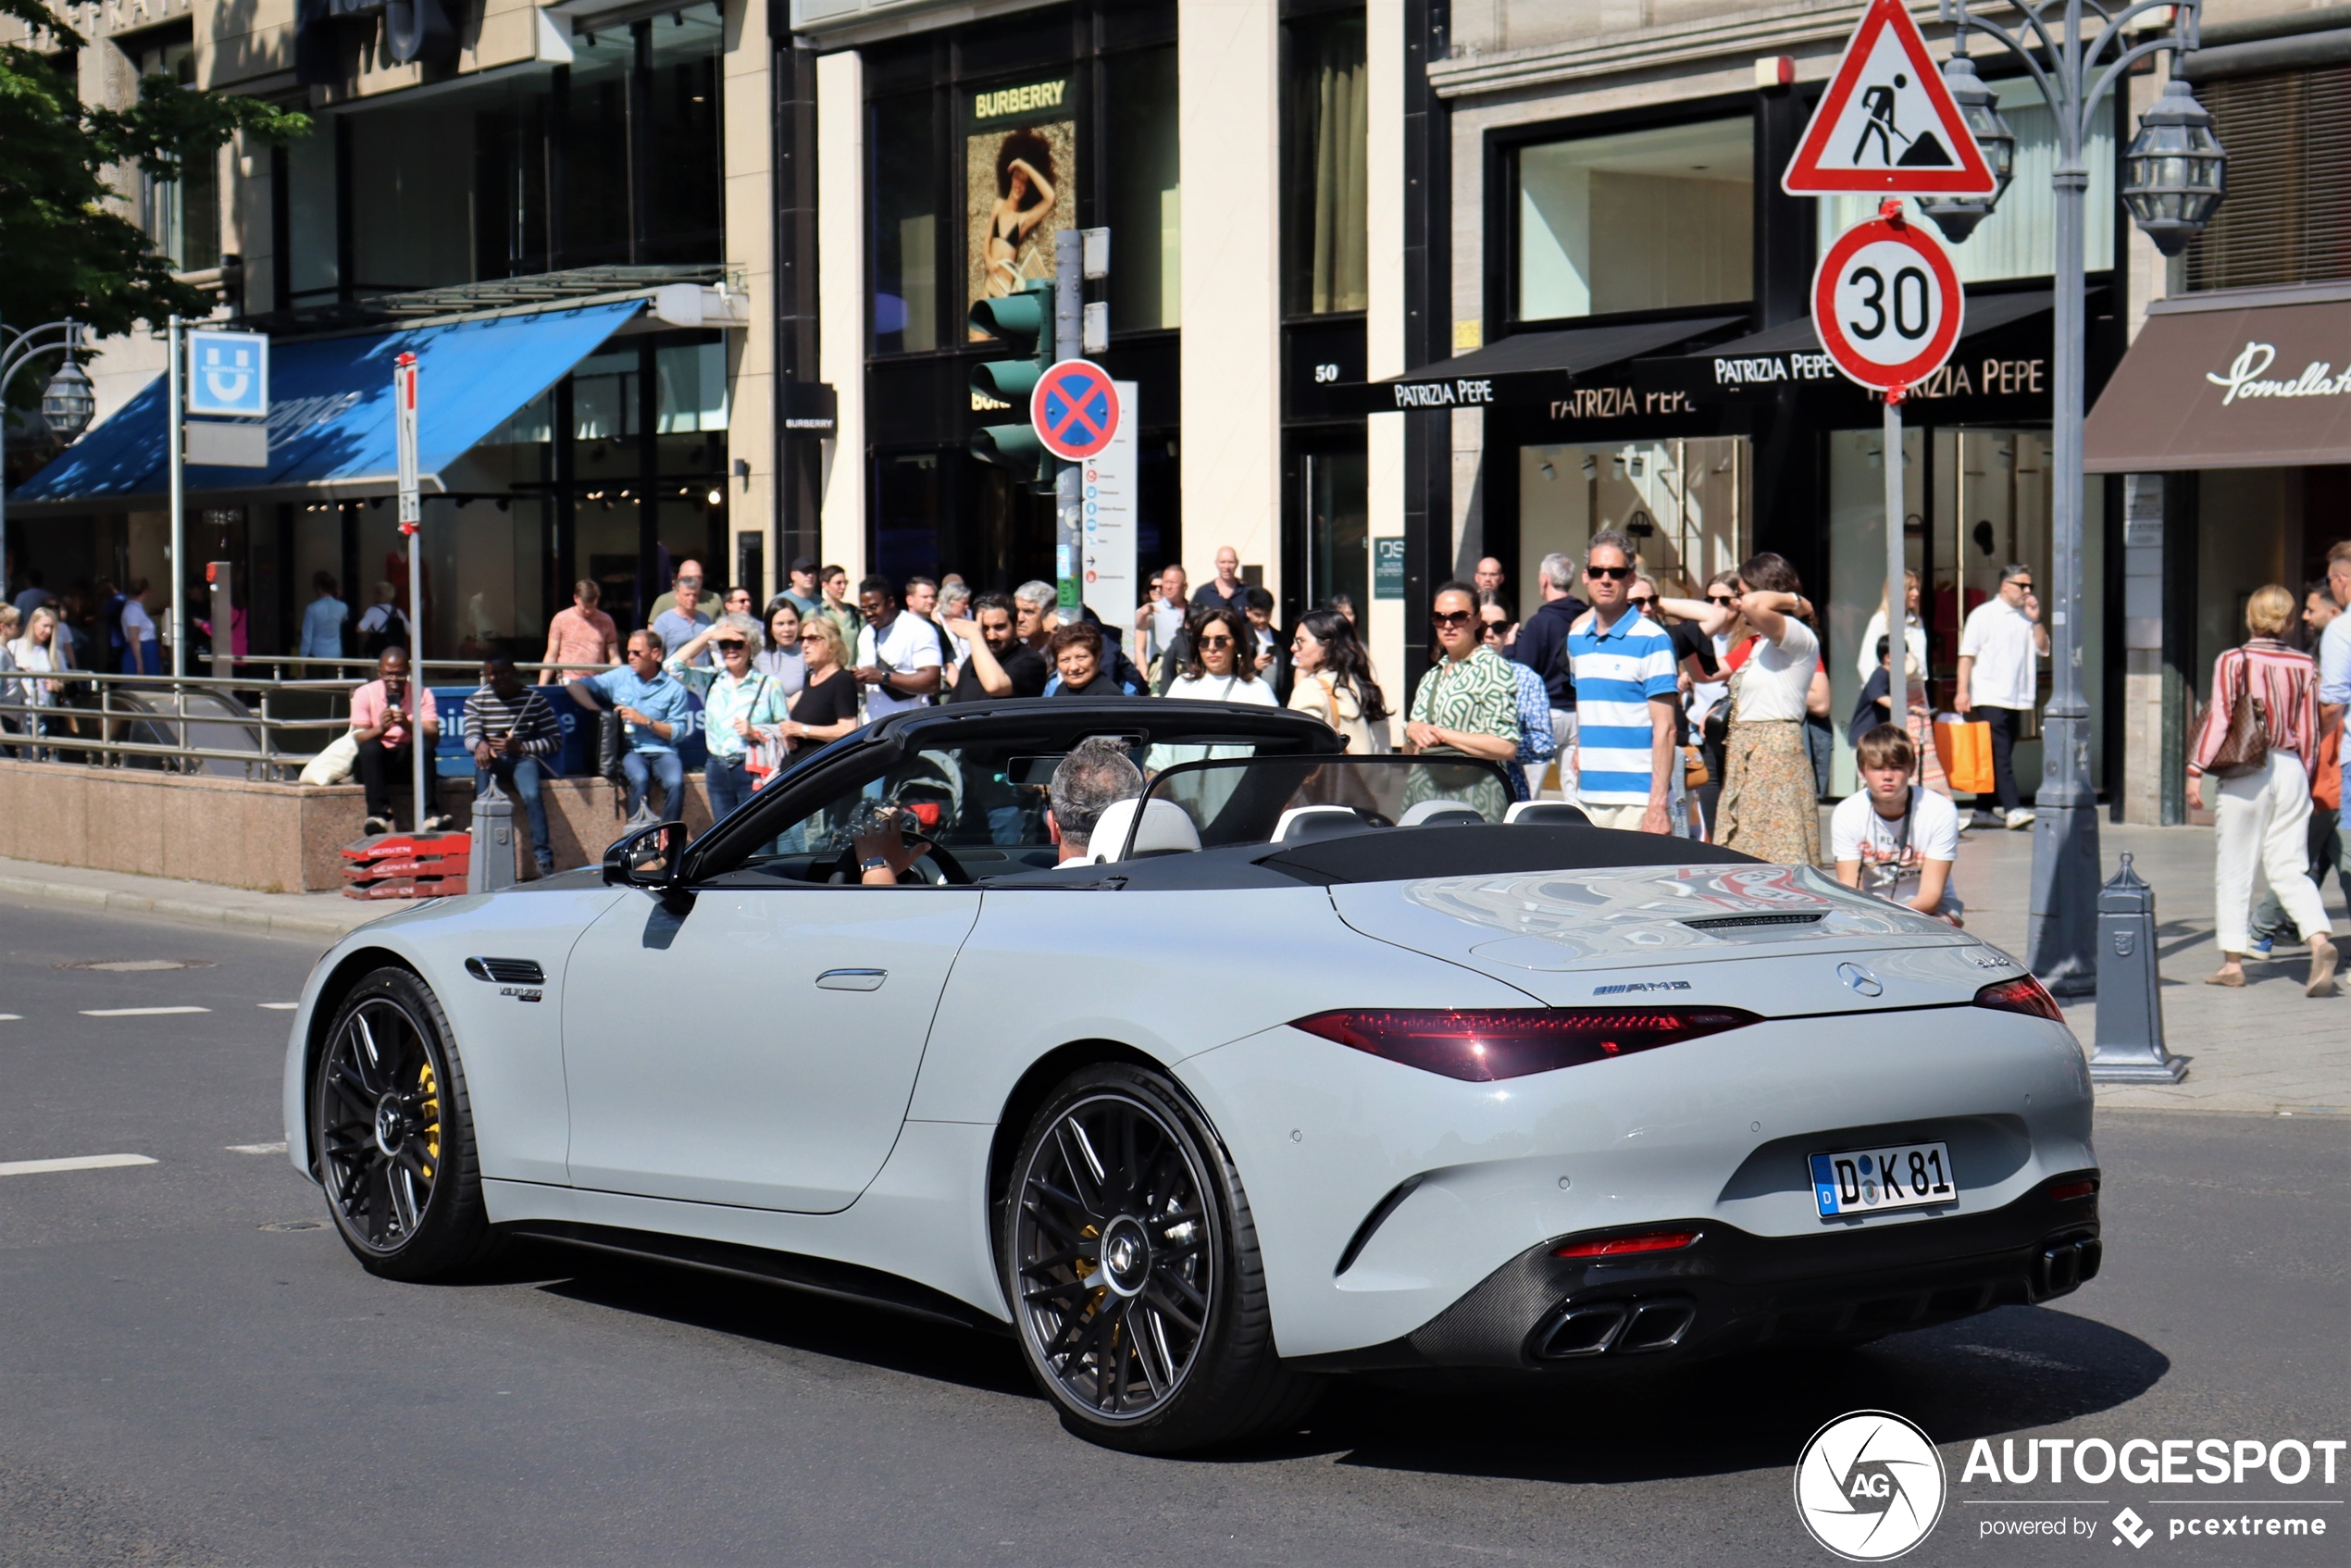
[1069,314]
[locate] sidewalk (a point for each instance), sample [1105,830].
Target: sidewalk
[2267,1049]
[319,919]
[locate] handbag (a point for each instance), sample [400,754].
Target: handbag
[333,764]
[2245,748]
[1964,748]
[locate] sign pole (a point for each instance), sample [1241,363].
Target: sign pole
[1069,315]
[175,433]
[1897,591]
[403,399]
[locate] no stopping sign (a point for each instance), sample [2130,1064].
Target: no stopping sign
[1887,303]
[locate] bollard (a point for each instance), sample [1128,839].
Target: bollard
[2130,1043]
[494,849]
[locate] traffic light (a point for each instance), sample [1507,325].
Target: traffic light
[1023,322]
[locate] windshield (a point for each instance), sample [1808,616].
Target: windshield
[1252,800]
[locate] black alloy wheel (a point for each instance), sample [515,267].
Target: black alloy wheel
[1132,1269]
[391,1133]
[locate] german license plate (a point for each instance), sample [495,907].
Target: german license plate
[1870,1182]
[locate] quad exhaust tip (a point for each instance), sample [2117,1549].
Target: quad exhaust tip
[2069,1265]
[1594,1329]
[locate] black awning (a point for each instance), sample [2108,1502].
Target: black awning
[1533,366]
[1791,352]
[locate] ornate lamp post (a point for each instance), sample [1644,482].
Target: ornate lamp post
[65,403]
[2176,181]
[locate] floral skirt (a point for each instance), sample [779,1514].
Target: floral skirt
[1769,807]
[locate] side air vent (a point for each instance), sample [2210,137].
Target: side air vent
[506,971]
[1731,922]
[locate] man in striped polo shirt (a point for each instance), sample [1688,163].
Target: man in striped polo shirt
[513,734]
[1621,663]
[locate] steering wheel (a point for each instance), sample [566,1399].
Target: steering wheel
[948,867]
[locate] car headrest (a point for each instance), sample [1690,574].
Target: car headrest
[1547,813]
[1167,829]
[1437,814]
[1317,822]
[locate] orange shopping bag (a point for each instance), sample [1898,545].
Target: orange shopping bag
[1965,751]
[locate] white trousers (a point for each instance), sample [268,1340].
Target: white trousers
[2264,821]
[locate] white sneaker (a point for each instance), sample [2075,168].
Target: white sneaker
[2019,818]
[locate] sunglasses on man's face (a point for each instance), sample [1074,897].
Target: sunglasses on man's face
[1619,574]
[1448,618]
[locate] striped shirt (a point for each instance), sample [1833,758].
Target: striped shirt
[524,715]
[2283,681]
[1616,672]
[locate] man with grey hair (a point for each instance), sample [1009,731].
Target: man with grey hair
[1097,774]
[1542,647]
[1034,621]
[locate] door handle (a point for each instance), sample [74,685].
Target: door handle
[851,979]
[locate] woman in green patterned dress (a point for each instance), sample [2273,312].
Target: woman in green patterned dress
[1466,706]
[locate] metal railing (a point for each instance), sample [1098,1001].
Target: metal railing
[229,725]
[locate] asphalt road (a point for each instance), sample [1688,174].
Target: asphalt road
[189,1376]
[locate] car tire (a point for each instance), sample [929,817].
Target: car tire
[1130,1263]
[392,1133]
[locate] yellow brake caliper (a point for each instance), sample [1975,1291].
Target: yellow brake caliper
[429,1107]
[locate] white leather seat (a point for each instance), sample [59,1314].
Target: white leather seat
[1547,813]
[1167,829]
[1437,814]
[1316,822]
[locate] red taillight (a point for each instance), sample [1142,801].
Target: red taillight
[1617,1246]
[1481,1045]
[2066,1192]
[2023,994]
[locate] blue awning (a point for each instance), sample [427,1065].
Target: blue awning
[331,426]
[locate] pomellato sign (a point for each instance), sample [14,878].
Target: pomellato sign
[2247,377]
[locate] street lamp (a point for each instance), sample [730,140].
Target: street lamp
[2177,171]
[1958,215]
[65,401]
[2177,178]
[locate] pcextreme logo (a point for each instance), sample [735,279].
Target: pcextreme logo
[1869,1485]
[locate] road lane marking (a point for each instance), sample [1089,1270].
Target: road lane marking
[79,1163]
[279,1006]
[137,1012]
[11,1018]
[257,1148]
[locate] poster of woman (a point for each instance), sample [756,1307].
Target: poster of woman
[1018,180]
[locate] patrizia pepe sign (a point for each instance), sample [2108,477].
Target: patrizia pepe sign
[2247,377]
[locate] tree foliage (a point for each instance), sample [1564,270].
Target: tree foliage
[64,250]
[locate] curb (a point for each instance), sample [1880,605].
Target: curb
[192,912]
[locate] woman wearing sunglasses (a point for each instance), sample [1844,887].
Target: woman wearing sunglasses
[1467,703]
[737,699]
[1218,671]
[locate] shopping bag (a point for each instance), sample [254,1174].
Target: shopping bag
[333,764]
[1965,749]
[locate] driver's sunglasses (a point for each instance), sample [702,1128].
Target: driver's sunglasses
[1450,617]
[1619,574]
[734,645]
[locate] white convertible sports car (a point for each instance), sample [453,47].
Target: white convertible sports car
[1317,1065]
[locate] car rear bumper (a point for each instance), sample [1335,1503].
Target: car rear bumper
[1732,1290]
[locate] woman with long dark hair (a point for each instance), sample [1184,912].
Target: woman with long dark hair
[1771,800]
[1334,682]
[1025,198]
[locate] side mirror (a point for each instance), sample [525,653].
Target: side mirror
[647,858]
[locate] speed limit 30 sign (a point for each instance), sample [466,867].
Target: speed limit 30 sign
[1887,302]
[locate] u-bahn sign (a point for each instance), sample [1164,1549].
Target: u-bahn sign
[1887,302]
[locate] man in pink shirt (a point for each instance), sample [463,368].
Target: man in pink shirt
[385,713]
[581,634]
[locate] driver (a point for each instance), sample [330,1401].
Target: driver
[1093,776]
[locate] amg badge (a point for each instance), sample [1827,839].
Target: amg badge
[1641,986]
